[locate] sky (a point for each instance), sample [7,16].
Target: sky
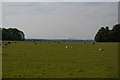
[59,0]
[0,13]
[59,20]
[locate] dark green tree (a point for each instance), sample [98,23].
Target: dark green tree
[0,34]
[12,34]
[106,35]
[101,35]
[115,33]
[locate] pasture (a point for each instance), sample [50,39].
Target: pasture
[54,60]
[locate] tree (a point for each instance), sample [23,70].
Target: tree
[101,36]
[12,34]
[0,34]
[106,35]
[115,33]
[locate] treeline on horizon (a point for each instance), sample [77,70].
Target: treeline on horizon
[104,34]
[12,34]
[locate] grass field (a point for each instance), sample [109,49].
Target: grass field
[53,60]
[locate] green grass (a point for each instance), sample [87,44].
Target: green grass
[53,60]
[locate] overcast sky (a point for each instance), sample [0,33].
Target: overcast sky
[49,20]
[59,0]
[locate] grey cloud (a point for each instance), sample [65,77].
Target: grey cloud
[60,20]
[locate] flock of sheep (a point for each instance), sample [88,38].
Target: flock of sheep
[7,43]
[100,49]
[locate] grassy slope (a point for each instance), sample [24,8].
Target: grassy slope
[53,60]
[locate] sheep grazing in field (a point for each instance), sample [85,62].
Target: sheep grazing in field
[93,42]
[71,47]
[9,42]
[6,44]
[67,47]
[100,49]
[35,43]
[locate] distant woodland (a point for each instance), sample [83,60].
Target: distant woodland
[104,34]
[12,34]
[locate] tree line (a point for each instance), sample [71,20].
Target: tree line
[104,34]
[12,34]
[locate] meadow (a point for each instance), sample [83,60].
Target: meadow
[27,59]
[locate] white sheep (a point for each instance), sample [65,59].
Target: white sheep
[93,42]
[100,49]
[71,47]
[67,47]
